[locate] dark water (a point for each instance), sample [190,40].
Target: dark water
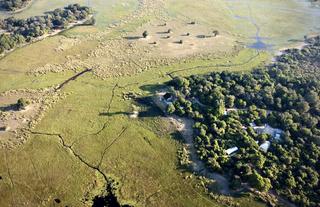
[259,42]
[108,199]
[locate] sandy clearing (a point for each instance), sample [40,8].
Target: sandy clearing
[196,39]
[15,121]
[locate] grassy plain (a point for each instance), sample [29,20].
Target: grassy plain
[144,157]
[277,21]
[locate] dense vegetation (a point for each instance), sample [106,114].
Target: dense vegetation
[286,96]
[13,5]
[18,31]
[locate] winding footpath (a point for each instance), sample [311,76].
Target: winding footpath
[185,127]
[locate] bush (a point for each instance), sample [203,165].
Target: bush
[145,34]
[19,31]
[22,104]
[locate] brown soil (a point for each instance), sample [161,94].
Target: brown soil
[15,122]
[196,39]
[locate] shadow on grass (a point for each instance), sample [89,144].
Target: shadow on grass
[166,32]
[12,107]
[295,40]
[177,136]
[132,37]
[114,113]
[149,108]
[152,88]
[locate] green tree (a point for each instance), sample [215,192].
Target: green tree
[313,98]
[230,99]
[171,109]
[259,182]
[145,34]
[302,106]
[22,103]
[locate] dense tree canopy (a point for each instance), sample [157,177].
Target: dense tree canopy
[18,31]
[12,5]
[230,108]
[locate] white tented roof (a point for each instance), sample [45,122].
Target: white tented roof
[232,150]
[265,146]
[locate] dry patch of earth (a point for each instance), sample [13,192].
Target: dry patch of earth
[15,123]
[178,39]
[130,53]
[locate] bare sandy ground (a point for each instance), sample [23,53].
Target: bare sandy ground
[14,122]
[196,39]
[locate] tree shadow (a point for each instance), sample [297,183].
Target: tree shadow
[132,37]
[178,42]
[166,37]
[176,135]
[166,32]
[151,112]
[202,36]
[11,107]
[295,40]
[152,88]
[114,113]
[149,108]
[162,25]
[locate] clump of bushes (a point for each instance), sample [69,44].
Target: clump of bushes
[145,34]
[19,31]
[22,104]
[12,5]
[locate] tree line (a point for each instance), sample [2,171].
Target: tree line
[13,5]
[284,95]
[19,31]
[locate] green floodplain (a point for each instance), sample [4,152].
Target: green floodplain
[88,133]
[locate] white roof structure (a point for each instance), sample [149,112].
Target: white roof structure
[227,111]
[278,136]
[265,146]
[232,150]
[253,124]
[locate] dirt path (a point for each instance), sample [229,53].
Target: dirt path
[185,127]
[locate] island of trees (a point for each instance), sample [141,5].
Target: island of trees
[16,32]
[13,5]
[261,129]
